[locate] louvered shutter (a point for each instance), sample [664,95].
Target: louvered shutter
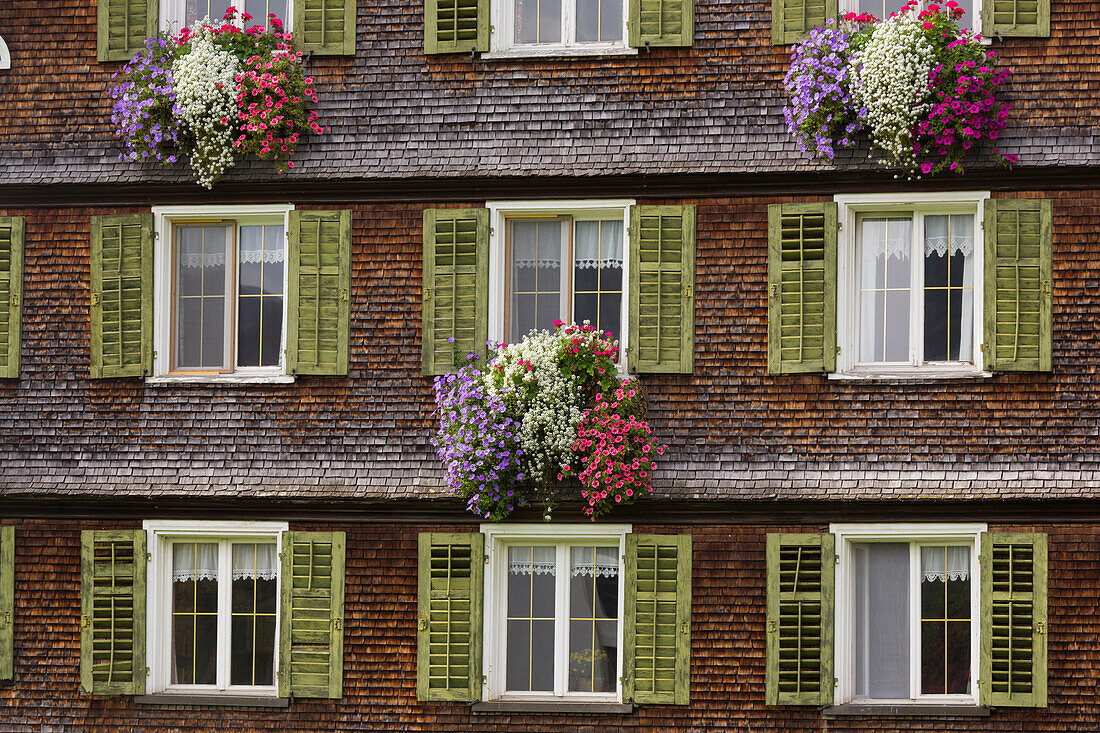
[801,288]
[792,20]
[11,294]
[449,616]
[123,26]
[661,22]
[1018,283]
[657,623]
[456,26]
[311,624]
[319,276]
[7,602]
[325,27]
[1028,18]
[122,295]
[662,289]
[1013,671]
[112,608]
[456,287]
[800,619]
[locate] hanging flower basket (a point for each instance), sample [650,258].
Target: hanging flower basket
[542,410]
[213,93]
[924,90]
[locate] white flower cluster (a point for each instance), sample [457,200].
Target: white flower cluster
[206,91]
[891,82]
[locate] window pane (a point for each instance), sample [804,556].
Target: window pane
[598,274]
[538,21]
[535,275]
[530,621]
[260,299]
[599,20]
[194,613]
[252,638]
[593,618]
[199,9]
[200,296]
[945,620]
[885,272]
[259,10]
[948,287]
[880,619]
[881,9]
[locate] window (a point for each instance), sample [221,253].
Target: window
[5,55]
[533,27]
[909,299]
[178,14]
[554,627]
[882,9]
[214,607]
[221,292]
[558,260]
[907,613]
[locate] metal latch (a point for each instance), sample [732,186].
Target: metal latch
[1041,627]
[96,297]
[423,624]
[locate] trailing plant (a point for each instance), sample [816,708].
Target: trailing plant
[544,408]
[213,93]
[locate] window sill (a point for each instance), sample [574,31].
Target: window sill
[561,51]
[243,701]
[908,710]
[228,380]
[532,706]
[910,375]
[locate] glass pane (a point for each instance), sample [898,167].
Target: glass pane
[597,274]
[260,299]
[530,623]
[881,9]
[948,287]
[200,293]
[252,628]
[880,619]
[945,620]
[198,9]
[535,275]
[885,272]
[259,10]
[599,21]
[593,618]
[538,21]
[194,613]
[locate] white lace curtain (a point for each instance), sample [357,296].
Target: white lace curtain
[199,561]
[597,244]
[532,560]
[599,562]
[943,234]
[937,565]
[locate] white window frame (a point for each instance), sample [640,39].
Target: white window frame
[579,210]
[158,629]
[163,219]
[917,534]
[171,13]
[974,12]
[503,32]
[5,55]
[497,540]
[847,292]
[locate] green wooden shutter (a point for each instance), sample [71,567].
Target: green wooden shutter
[456,287]
[325,27]
[11,294]
[456,26]
[801,288]
[320,283]
[792,20]
[662,289]
[1018,282]
[1028,18]
[311,628]
[657,626]
[661,22]
[123,26]
[800,619]
[112,612]
[1013,670]
[122,295]
[7,602]
[448,635]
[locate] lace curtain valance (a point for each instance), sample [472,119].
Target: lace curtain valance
[943,234]
[933,567]
[599,562]
[199,561]
[597,244]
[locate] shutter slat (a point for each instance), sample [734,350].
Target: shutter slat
[801,288]
[11,294]
[448,661]
[112,597]
[311,637]
[800,619]
[319,297]
[657,627]
[325,27]
[1018,284]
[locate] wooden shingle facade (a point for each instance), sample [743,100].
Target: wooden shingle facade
[794,486]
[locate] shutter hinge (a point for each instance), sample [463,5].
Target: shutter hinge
[689,292]
[156,236]
[775,289]
[836,682]
[981,347]
[148,556]
[95,298]
[337,623]
[14,300]
[1041,627]
[422,625]
[85,621]
[1045,287]
[486,558]
[772,626]
[427,295]
[838,349]
[6,619]
[685,627]
[343,294]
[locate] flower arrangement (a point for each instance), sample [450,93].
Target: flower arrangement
[924,89]
[545,408]
[214,92]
